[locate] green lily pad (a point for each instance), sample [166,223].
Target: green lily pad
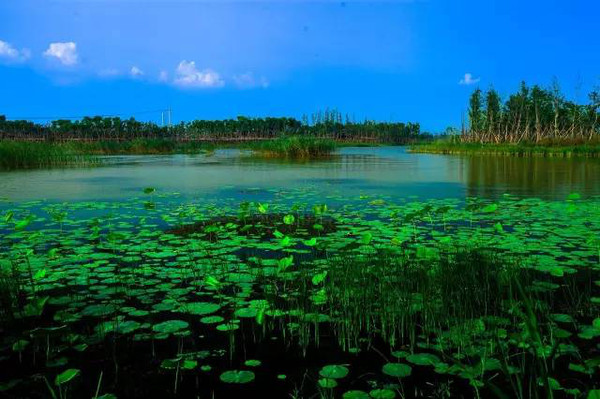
[334,371]
[423,359]
[170,326]
[382,394]
[399,370]
[237,376]
[355,394]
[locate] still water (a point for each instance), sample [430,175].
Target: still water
[388,171]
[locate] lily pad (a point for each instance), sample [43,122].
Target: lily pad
[237,376]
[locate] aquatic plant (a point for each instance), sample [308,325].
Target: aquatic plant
[473,298]
[559,150]
[294,147]
[25,155]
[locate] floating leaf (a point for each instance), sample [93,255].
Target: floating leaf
[237,376]
[355,394]
[328,383]
[334,371]
[199,308]
[398,370]
[423,359]
[366,238]
[382,394]
[490,208]
[252,363]
[170,326]
[310,243]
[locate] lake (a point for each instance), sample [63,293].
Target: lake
[376,273]
[353,171]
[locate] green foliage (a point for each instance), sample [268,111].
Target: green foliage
[535,115]
[115,131]
[334,371]
[26,155]
[487,295]
[237,376]
[66,376]
[294,147]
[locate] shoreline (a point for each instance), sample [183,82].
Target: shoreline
[518,150]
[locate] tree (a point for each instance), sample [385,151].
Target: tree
[475,113]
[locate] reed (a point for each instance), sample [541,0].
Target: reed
[30,155]
[27,155]
[522,149]
[294,147]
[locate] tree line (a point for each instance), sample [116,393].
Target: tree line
[327,124]
[532,114]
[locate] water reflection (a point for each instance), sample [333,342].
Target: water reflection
[388,171]
[552,178]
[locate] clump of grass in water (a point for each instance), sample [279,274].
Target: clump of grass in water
[27,155]
[294,147]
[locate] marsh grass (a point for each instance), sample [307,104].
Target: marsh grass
[545,149]
[142,147]
[294,147]
[27,155]
[457,310]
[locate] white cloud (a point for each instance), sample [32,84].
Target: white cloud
[65,52]
[468,79]
[136,72]
[163,76]
[188,76]
[7,51]
[248,81]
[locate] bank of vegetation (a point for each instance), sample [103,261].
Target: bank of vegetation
[26,144]
[30,155]
[532,121]
[329,124]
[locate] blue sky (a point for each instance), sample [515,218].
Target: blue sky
[386,60]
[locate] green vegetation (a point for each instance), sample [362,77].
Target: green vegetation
[294,147]
[28,154]
[361,297]
[535,115]
[447,146]
[140,147]
[534,121]
[327,124]
[24,155]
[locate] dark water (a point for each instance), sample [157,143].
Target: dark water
[228,174]
[353,171]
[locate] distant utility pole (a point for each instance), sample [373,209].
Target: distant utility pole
[169,115]
[162,118]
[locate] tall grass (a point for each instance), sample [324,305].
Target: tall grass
[294,147]
[141,147]
[548,149]
[27,155]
